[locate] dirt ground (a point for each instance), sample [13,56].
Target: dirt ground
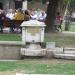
[49,61]
[7,73]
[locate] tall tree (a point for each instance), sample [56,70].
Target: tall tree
[51,12]
[70,4]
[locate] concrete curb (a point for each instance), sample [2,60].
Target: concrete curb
[64,53]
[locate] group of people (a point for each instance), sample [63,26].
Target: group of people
[20,14]
[9,17]
[38,15]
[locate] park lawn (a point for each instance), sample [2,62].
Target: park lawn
[33,67]
[10,37]
[72,26]
[30,67]
[60,40]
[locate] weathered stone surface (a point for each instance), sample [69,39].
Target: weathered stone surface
[65,56]
[32,52]
[12,43]
[59,55]
[52,51]
[50,45]
[57,50]
[69,56]
[68,49]
[69,52]
[10,50]
[49,53]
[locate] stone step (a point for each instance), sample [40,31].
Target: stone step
[33,52]
[65,56]
[69,52]
[52,51]
[69,49]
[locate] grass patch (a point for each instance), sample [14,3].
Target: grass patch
[37,68]
[61,41]
[10,37]
[72,27]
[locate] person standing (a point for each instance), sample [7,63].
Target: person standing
[58,22]
[2,17]
[19,18]
[9,18]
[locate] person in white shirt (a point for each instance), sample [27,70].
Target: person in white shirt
[42,16]
[33,15]
[10,14]
[10,17]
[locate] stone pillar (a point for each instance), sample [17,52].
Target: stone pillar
[12,4]
[6,5]
[23,35]
[24,5]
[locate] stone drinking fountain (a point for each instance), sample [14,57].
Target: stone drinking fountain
[32,37]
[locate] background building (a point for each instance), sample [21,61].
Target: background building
[15,4]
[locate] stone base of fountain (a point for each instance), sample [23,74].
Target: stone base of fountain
[33,50]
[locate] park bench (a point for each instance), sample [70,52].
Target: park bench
[12,23]
[8,23]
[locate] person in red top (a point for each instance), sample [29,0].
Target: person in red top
[58,21]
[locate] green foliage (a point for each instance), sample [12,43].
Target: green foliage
[43,1]
[69,1]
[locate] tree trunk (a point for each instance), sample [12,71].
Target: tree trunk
[51,12]
[68,17]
